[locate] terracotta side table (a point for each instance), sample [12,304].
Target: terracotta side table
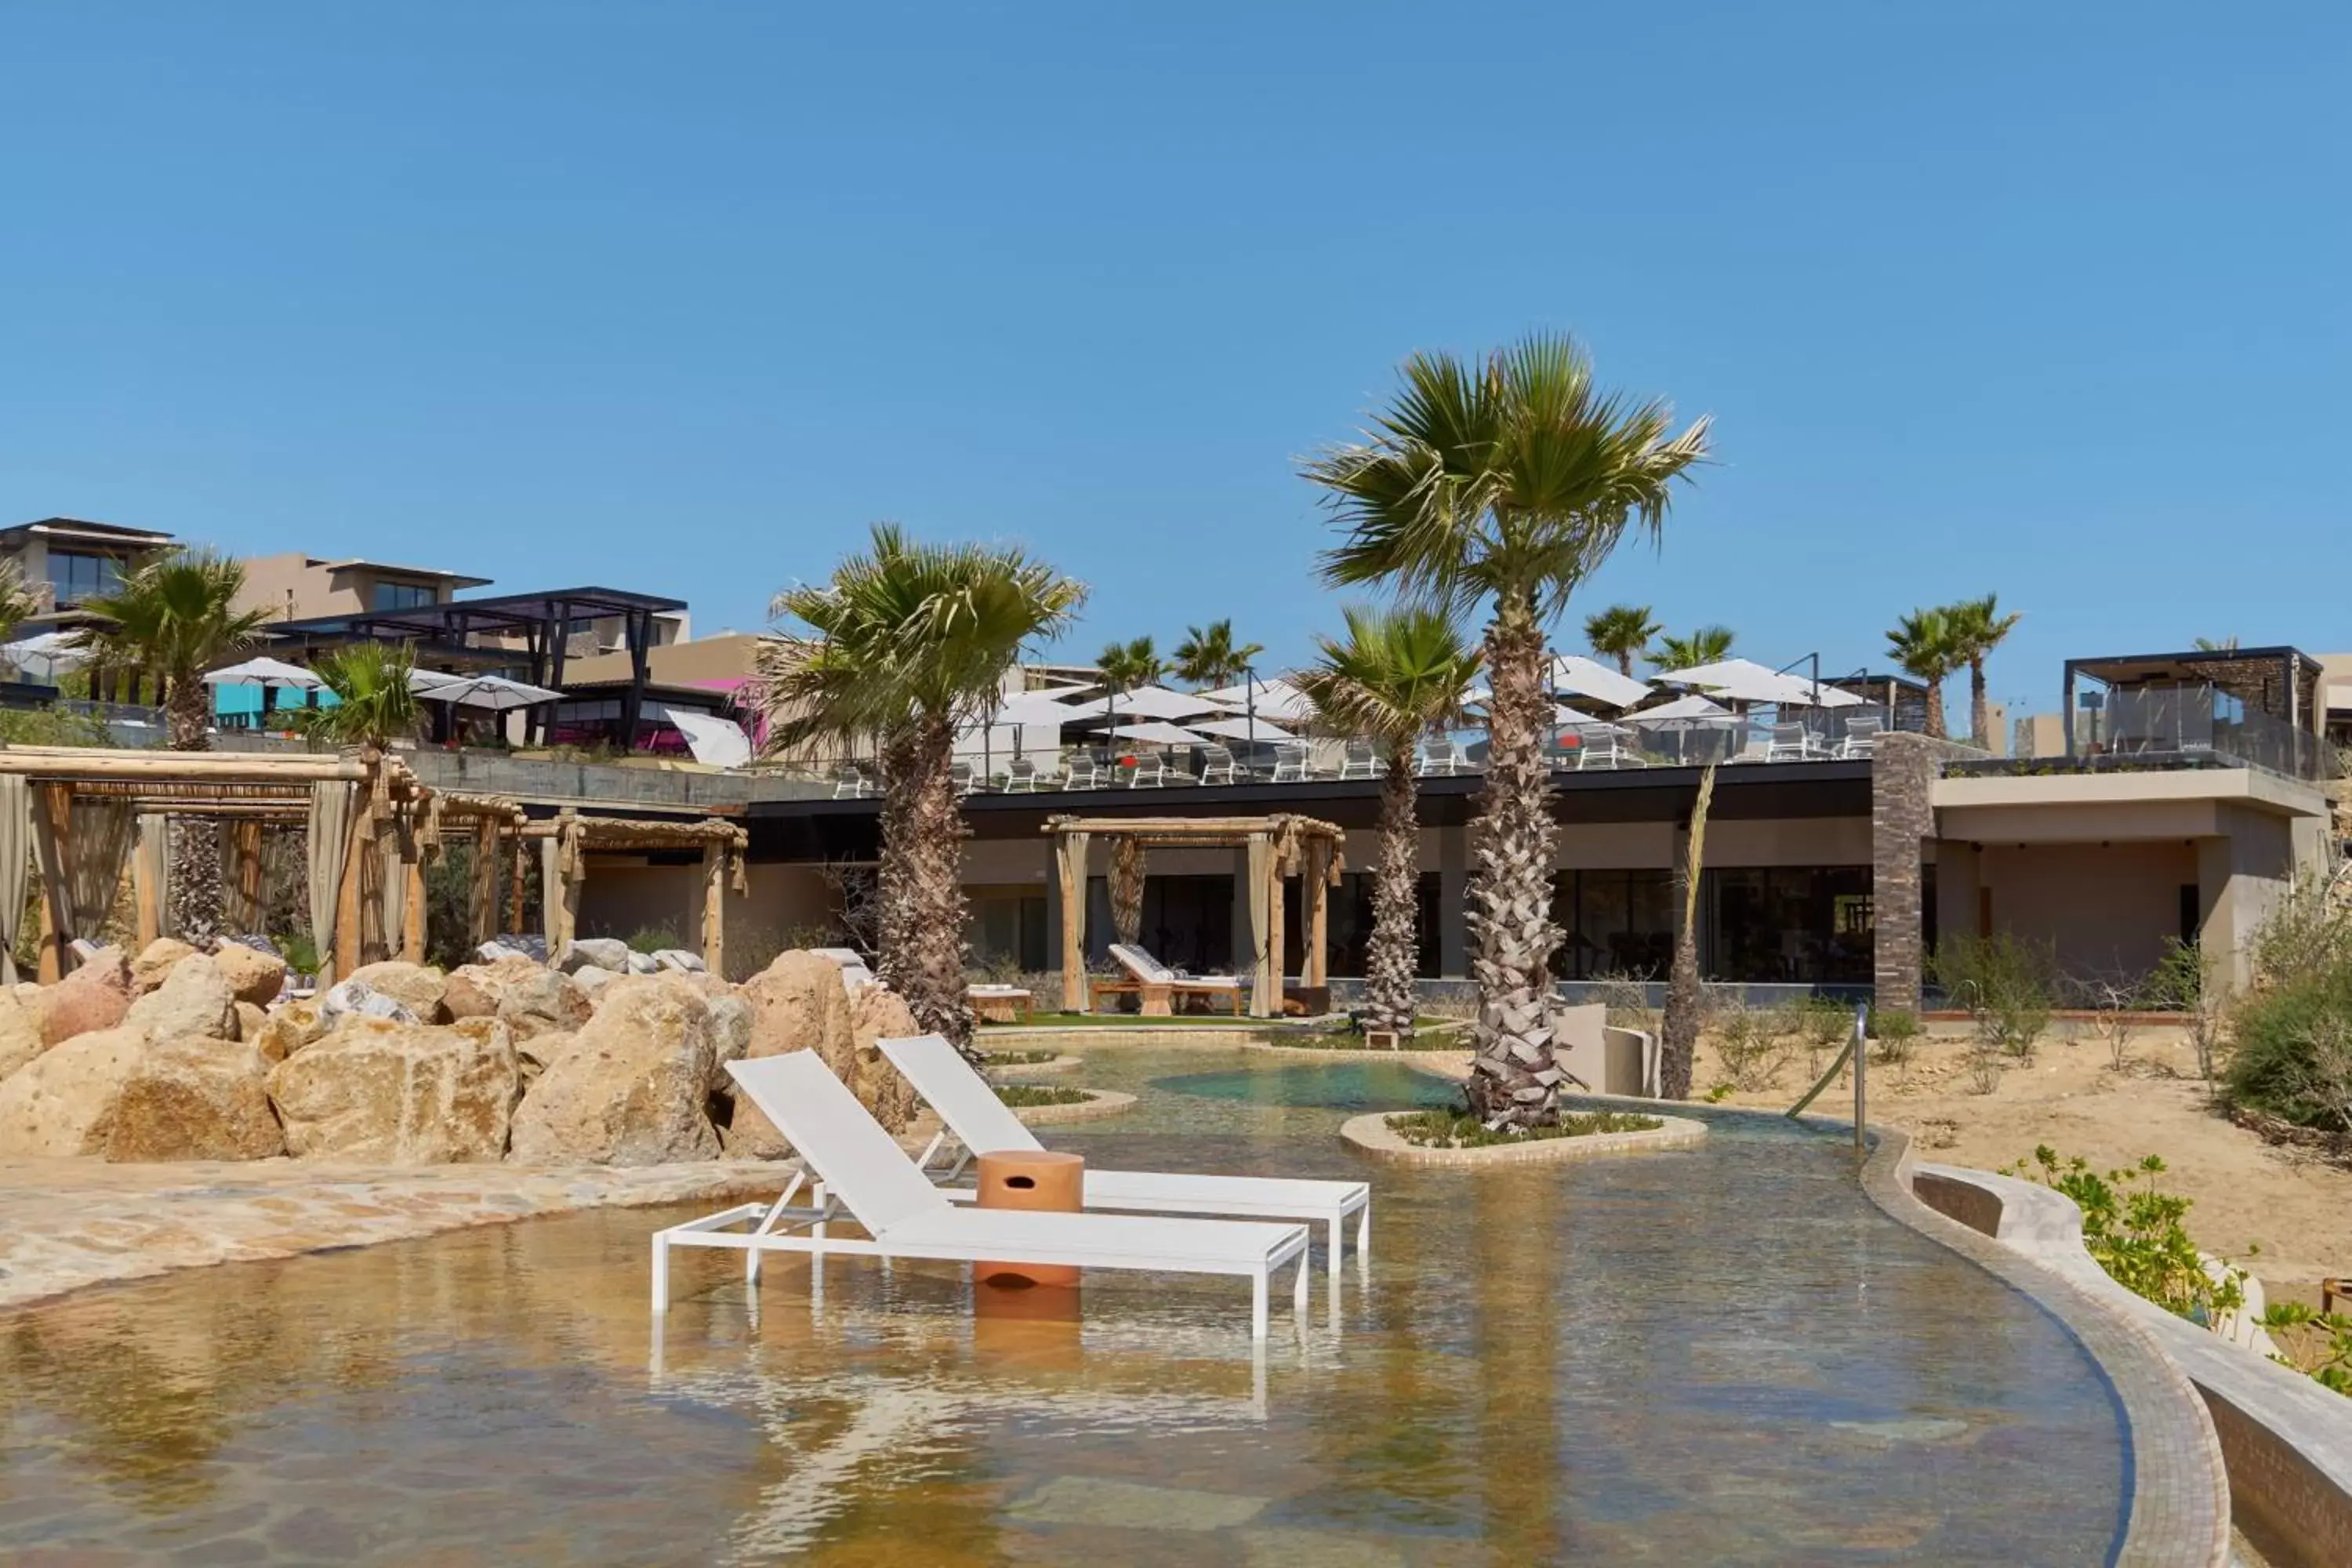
[1031,1179]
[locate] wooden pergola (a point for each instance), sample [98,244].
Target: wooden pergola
[1278,847]
[566,840]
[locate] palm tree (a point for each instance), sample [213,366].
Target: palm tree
[1506,482]
[911,642]
[1923,644]
[175,618]
[2216,645]
[1703,646]
[1622,632]
[1208,658]
[374,702]
[1397,674]
[17,600]
[1124,665]
[1978,627]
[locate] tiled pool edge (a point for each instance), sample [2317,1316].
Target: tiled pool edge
[2286,1441]
[2180,1501]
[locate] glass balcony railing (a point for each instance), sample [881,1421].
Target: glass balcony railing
[2192,725]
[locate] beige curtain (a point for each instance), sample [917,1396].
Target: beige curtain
[16,855]
[393,888]
[151,867]
[551,892]
[241,894]
[1265,984]
[81,876]
[331,805]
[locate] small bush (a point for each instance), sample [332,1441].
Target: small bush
[1896,1032]
[1021,1096]
[1752,1044]
[1460,1129]
[2006,984]
[2294,1054]
[2178,986]
[2135,1229]
[1986,1062]
[652,939]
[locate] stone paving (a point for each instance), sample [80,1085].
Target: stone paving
[68,1224]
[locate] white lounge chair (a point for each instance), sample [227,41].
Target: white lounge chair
[860,1166]
[1862,733]
[1149,772]
[1157,986]
[1793,743]
[975,1118]
[1441,757]
[1358,759]
[1217,765]
[1022,776]
[1289,762]
[852,781]
[1084,772]
[1606,745]
[964,777]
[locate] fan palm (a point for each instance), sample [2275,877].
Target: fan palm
[2215,645]
[374,703]
[1396,676]
[1622,632]
[175,618]
[1923,644]
[1703,646]
[1978,627]
[1124,665]
[1505,482]
[1209,657]
[910,642]
[17,600]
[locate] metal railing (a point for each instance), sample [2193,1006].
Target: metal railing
[2191,725]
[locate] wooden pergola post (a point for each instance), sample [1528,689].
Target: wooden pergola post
[1315,883]
[517,882]
[714,908]
[1274,934]
[418,841]
[146,896]
[482,887]
[571,877]
[1071,856]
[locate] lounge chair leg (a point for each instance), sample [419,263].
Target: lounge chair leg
[1257,1305]
[1298,1287]
[1337,1246]
[1364,1232]
[661,1272]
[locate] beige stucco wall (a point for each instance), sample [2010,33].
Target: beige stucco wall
[2106,910]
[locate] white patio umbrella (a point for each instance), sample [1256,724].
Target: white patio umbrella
[268,672]
[1691,707]
[1242,729]
[1036,707]
[1561,713]
[1745,680]
[1152,729]
[1277,698]
[1582,676]
[495,692]
[715,741]
[45,656]
[426,681]
[1152,702]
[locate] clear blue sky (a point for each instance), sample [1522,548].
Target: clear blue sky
[2043,298]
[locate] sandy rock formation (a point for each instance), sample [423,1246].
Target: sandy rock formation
[355,998]
[286,1031]
[64,1101]
[20,1034]
[632,1090]
[195,1099]
[878,1013]
[595,953]
[798,1003]
[94,997]
[406,1094]
[415,986]
[255,977]
[194,999]
[528,998]
[250,1021]
[155,962]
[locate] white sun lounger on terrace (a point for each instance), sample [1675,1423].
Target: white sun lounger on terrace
[859,1165]
[1158,986]
[977,1119]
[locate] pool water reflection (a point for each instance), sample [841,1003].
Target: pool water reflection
[1720,1355]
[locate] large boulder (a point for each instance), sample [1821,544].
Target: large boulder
[514,945]
[20,1034]
[250,1021]
[678,958]
[878,1013]
[730,1034]
[155,962]
[286,1031]
[529,998]
[400,1093]
[355,998]
[63,1103]
[592,981]
[415,986]
[798,1003]
[594,952]
[195,1099]
[255,977]
[94,997]
[194,1000]
[536,1052]
[632,1088]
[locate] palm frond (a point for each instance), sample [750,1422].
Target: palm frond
[1397,674]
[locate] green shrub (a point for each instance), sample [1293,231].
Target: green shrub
[1896,1032]
[51,727]
[2294,1053]
[2006,984]
[1022,1095]
[301,953]
[652,939]
[1752,1044]
[1460,1129]
[2135,1229]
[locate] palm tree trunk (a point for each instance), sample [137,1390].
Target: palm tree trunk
[921,885]
[1935,709]
[1514,1081]
[1679,1025]
[1391,957]
[1625,663]
[1979,712]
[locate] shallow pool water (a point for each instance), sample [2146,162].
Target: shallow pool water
[1722,1355]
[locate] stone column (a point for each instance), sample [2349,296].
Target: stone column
[1903,772]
